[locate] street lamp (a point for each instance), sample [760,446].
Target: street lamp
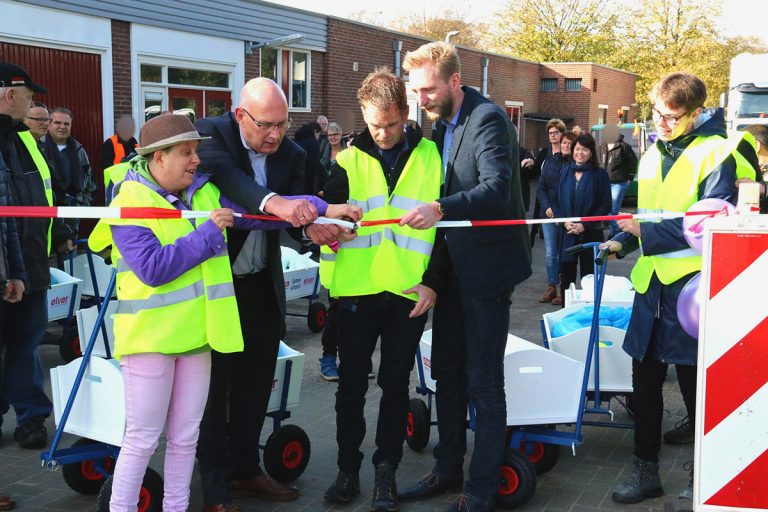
[450,34]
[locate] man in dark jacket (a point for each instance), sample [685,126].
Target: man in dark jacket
[481,267]
[252,162]
[688,149]
[22,324]
[620,161]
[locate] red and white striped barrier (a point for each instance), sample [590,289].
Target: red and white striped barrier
[731,458]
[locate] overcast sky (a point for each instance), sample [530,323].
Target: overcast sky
[740,17]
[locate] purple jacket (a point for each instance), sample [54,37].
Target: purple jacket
[155,264]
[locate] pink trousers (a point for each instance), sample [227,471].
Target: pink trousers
[160,388]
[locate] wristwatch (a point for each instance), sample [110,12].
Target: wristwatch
[440,208]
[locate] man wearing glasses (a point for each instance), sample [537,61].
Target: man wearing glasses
[693,159]
[253,163]
[37,120]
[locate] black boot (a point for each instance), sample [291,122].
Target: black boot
[642,483]
[683,433]
[687,493]
[385,489]
[344,488]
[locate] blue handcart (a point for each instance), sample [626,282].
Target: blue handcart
[87,466]
[531,449]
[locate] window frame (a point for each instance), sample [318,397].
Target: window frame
[548,81]
[279,75]
[573,81]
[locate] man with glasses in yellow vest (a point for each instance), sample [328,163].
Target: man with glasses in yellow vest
[694,158]
[24,313]
[379,278]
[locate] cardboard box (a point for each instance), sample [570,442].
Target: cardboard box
[63,295]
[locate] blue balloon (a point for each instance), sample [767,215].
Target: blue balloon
[689,306]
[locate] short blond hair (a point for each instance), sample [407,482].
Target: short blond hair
[443,55]
[382,88]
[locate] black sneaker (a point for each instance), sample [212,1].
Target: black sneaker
[346,487]
[32,435]
[683,433]
[384,490]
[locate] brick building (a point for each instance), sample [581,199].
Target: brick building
[105,58]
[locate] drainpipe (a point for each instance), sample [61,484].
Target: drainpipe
[398,47]
[484,64]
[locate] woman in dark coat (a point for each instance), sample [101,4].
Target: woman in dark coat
[584,191]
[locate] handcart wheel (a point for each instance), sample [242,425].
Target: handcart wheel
[286,453]
[543,456]
[419,422]
[69,345]
[316,316]
[83,477]
[150,495]
[517,480]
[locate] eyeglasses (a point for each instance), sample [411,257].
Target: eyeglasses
[555,132]
[40,119]
[268,127]
[670,120]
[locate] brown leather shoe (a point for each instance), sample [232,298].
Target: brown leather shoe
[221,507]
[265,488]
[6,502]
[550,294]
[557,301]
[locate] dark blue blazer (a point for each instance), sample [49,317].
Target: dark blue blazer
[225,158]
[483,182]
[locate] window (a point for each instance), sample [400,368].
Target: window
[191,91]
[594,85]
[291,69]
[602,116]
[573,84]
[549,85]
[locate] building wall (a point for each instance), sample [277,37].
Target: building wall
[121,68]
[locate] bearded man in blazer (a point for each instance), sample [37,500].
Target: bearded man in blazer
[480,267]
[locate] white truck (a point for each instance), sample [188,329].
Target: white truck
[747,99]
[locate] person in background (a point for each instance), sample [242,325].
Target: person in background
[336,143]
[693,158]
[577,130]
[73,183]
[550,164]
[620,161]
[122,144]
[584,191]
[37,120]
[760,133]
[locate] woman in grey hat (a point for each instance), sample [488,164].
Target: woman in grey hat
[176,303]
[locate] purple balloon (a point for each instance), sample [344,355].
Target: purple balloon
[693,225]
[689,305]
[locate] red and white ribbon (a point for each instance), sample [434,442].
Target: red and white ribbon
[106,212]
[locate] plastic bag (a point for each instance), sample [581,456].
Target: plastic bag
[617,317]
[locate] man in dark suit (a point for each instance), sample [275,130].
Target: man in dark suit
[481,267]
[252,162]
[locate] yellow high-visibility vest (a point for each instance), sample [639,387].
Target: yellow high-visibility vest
[45,173]
[196,309]
[676,193]
[384,258]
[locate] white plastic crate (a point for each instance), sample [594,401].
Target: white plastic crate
[62,294]
[617,291]
[98,412]
[615,364]
[541,386]
[300,273]
[86,322]
[284,354]
[103,271]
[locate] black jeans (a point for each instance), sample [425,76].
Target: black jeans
[241,383]
[362,320]
[648,402]
[468,341]
[331,329]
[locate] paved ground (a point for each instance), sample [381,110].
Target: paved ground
[577,483]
